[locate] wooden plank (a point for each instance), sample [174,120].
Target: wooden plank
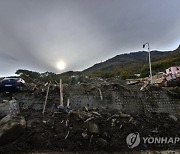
[100,94]
[45,102]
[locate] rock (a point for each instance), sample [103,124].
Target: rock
[102,142]
[14,106]
[11,127]
[44,121]
[4,108]
[123,115]
[9,107]
[85,135]
[155,131]
[113,122]
[93,128]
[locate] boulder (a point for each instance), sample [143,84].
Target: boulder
[11,127]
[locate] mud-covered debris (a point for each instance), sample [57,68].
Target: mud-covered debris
[64,109]
[71,133]
[67,135]
[173,117]
[89,119]
[113,116]
[96,113]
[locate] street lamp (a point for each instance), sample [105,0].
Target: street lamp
[150,70]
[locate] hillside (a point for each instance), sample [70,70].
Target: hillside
[125,66]
[137,62]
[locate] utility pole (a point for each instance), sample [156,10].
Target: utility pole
[150,70]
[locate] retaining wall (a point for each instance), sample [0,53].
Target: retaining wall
[113,97]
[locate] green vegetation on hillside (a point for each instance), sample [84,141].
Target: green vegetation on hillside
[127,65]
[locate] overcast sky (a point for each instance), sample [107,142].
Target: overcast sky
[36,34]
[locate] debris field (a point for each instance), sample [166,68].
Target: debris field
[91,130]
[84,129]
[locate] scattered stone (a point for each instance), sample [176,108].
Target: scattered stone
[125,115]
[85,135]
[14,107]
[102,142]
[155,131]
[113,122]
[44,121]
[9,107]
[93,128]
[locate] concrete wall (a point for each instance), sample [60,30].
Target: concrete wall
[113,97]
[130,102]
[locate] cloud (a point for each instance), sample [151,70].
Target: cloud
[39,33]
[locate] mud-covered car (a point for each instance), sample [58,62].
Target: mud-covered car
[12,84]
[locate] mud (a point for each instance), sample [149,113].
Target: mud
[96,123]
[91,130]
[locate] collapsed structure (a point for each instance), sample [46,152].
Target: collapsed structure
[102,113]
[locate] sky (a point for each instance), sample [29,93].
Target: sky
[38,34]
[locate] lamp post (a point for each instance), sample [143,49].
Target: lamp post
[150,70]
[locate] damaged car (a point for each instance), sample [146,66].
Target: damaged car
[12,84]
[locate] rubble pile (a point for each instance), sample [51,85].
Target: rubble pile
[91,130]
[95,116]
